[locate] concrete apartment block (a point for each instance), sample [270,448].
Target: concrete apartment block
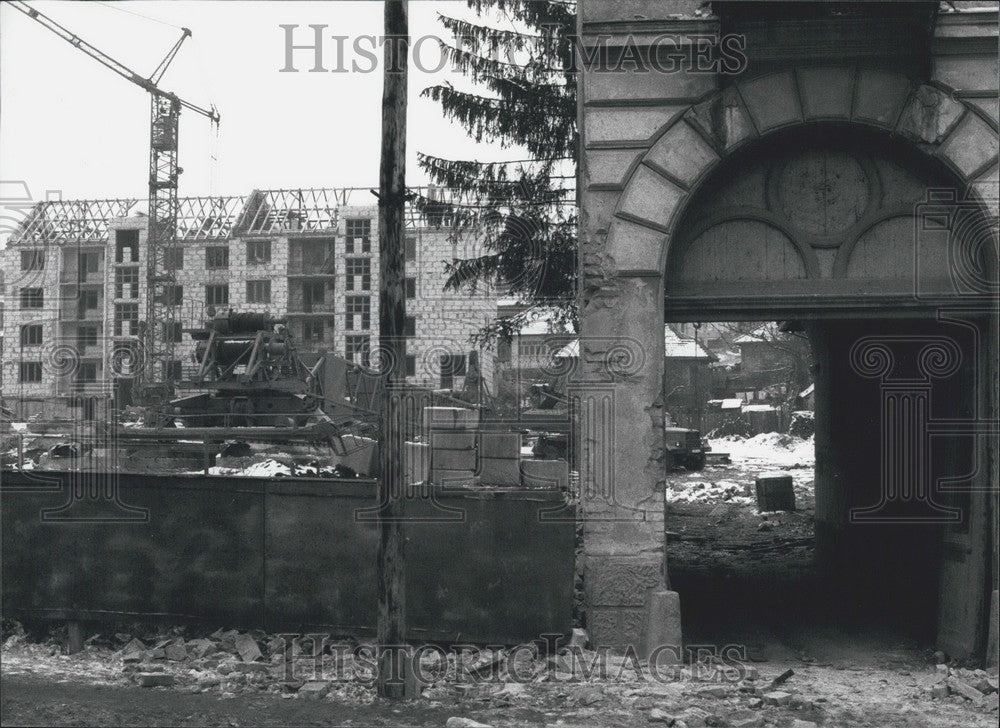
[309,256]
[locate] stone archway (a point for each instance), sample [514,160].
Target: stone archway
[620,365]
[821,218]
[691,144]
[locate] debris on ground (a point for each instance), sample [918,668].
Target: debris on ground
[562,687]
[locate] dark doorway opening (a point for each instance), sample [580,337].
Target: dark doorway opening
[887,541]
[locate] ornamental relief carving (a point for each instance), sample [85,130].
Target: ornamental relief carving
[822,200]
[823,193]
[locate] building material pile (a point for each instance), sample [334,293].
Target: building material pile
[452,433]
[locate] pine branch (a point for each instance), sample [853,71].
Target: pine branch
[542,128]
[519,214]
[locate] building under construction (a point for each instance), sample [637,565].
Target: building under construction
[75,291]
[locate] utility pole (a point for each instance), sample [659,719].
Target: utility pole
[391,634]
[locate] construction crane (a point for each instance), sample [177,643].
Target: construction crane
[165,108]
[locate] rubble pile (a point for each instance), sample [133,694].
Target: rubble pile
[480,687]
[976,686]
[696,490]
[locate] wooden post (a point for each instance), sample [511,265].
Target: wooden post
[391,634]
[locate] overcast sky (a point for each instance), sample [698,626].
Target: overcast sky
[69,124]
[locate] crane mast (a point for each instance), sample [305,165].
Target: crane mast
[156,345]
[161,239]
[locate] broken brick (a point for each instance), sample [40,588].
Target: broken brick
[777,697]
[314,689]
[746,719]
[177,653]
[247,648]
[965,690]
[799,703]
[201,647]
[460,722]
[715,691]
[155,679]
[929,681]
[133,651]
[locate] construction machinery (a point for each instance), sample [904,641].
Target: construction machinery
[165,108]
[249,375]
[249,383]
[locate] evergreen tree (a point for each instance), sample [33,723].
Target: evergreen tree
[524,212]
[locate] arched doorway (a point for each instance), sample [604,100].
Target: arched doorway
[635,275]
[860,240]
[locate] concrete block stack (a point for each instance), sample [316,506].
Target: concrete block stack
[499,458]
[417,462]
[552,474]
[452,432]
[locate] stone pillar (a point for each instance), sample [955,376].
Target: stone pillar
[831,502]
[619,391]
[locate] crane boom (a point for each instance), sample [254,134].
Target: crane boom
[156,346]
[149,84]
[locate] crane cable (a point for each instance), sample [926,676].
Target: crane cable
[214,141]
[203,77]
[137,14]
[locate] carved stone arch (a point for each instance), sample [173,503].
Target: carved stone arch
[690,146]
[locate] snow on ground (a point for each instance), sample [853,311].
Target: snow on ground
[734,483]
[265,469]
[768,450]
